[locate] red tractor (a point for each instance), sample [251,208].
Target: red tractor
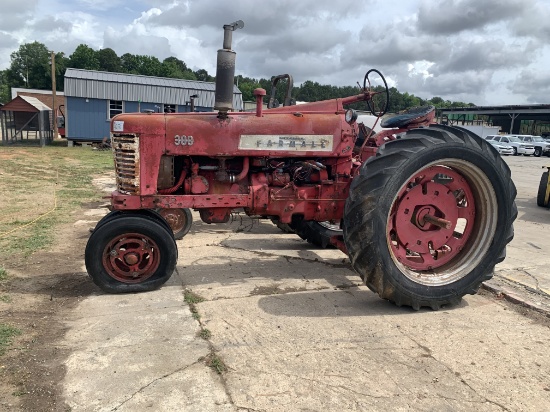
[423,211]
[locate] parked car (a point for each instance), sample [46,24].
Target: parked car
[542,147]
[518,146]
[502,148]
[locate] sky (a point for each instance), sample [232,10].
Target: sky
[487,52]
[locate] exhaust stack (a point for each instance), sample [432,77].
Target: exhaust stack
[225,71]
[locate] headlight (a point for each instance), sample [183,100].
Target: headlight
[351,116]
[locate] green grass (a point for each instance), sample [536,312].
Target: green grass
[6,334]
[192,298]
[33,179]
[216,363]
[5,298]
[205,334]
[3,274]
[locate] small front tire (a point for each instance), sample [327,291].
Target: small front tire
[179,220]
[130,254]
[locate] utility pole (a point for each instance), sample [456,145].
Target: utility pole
[54,108]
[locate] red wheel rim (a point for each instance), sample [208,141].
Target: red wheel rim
[431,219]
[131,258]
[175,218]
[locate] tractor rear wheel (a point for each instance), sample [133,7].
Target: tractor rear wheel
[429,216]
[541,194]
[130,253]
[318,233]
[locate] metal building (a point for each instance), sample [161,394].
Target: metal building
[92,98]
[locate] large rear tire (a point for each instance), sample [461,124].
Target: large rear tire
[318,233]
[429,216]
[130,253]
[541,194]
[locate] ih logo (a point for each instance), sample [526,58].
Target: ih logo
[183,140]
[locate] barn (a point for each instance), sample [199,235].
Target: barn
[92,98]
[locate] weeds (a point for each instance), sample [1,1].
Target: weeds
[216,363]
[191,297]
[5,298]
[205,334]
[6,334]
[3,274]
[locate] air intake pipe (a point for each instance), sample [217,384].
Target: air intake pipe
[225,71]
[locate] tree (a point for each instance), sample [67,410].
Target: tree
[4,87]
[246,86]
[203,76]
[30,67]
[139,64]
[84,57]
[109,60]
[176,68]
[129,63]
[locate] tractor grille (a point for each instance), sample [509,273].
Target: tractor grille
[126,152]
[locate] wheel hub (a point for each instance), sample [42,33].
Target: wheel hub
[175,218]
[431,219]
[131,258]
[430,199]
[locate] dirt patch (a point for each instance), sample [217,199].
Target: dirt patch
[41,290]
[42,251]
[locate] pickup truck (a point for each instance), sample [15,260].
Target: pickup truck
[542,147]
[519,146]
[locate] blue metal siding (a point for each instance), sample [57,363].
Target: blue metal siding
[130,107]
[87,120]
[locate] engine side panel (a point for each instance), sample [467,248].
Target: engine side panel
[273,135]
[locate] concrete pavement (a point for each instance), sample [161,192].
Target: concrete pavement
[298,332]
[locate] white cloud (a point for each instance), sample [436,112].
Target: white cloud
[459,50]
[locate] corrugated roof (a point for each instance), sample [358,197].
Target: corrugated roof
[36,103]
[15,91]
[28,104]
[133,87]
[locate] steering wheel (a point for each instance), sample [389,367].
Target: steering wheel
[371,103]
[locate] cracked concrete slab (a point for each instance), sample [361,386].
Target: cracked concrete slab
[139,352]
[300,334]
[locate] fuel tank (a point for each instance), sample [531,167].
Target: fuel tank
[277,134]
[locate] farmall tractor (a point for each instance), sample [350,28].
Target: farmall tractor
[423,211]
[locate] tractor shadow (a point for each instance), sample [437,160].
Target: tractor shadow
[528,211]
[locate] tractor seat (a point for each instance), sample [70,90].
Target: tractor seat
[409,116]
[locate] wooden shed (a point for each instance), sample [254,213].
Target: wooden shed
[25,119]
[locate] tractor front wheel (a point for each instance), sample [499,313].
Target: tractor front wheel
[130,253]
[318,233]
[180,220]
[429,216]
